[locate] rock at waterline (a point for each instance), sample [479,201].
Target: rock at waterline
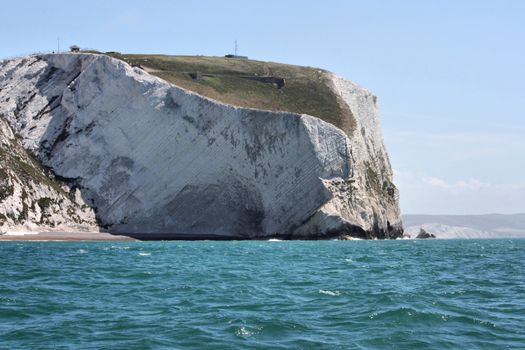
[424,234]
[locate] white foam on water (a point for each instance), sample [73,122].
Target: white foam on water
[144,254]
[334,293]
[245,332]
[116,248]
[275,240]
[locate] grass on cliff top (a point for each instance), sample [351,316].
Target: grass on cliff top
[306,89]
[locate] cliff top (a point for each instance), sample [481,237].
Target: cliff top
[250,83]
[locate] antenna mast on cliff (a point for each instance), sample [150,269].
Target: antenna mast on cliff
[235,47]
[58,44]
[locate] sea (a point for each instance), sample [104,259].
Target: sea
[403,294]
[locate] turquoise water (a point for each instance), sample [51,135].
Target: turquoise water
[434,294]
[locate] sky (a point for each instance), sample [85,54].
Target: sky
[449,75]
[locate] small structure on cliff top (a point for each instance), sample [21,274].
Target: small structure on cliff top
[74,48]
[235,54]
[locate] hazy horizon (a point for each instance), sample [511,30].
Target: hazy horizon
[482,214]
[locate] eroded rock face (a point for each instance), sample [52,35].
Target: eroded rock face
[31,198]
[152,158]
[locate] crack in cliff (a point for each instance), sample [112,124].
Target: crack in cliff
[53,104]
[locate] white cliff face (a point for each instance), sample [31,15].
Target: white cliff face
[376,200]
[31,199]
[152,158]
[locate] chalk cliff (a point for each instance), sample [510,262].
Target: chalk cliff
[155,160]
[31,198]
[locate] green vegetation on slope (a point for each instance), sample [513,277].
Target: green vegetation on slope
[28,182]
[24,164]
[229,80]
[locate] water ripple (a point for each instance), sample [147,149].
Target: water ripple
[285,295]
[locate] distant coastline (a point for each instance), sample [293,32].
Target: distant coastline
[467,226]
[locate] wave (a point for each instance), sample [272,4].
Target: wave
[334,293]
